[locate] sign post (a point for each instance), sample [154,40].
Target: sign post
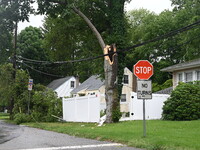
[143,69]
[30,86]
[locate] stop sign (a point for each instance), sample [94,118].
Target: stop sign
[143,69]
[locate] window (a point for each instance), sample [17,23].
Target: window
[198,75]
[188,76]
[125,79]
[81,94]
[123,98]
[72,84]
[180,77]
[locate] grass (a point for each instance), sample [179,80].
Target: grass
[4,116]
[161,135]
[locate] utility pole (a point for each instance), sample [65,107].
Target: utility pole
[12,100]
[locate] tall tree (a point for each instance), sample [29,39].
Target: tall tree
[113,18]
[5,43]
[14,11]
[187,12]
[146,25]
[30,46]
[69,39]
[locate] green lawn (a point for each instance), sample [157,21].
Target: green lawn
[161,135]
[4,116]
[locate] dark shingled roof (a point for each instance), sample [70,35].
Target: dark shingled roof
[56,83]
[165,91]
[92,83]
[187,65]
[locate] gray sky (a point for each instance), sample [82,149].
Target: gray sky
[153,5]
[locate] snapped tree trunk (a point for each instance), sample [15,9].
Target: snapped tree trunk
[111,91]
[110,71]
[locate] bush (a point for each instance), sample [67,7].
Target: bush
[183,104]
[22,118]
[45,104]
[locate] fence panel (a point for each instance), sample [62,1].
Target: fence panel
[153,107]
[82,109]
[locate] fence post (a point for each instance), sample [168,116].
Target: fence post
[88,99]
[75,101]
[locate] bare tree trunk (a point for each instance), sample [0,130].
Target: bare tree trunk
[111,91]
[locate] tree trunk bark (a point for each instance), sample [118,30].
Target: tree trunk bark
[111,91]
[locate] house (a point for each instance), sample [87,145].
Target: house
[64,86]
[92,86]
[95,86]
[184,72]
[126,91]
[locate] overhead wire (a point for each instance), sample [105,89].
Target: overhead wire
[53,75]
[24,62]
[169,34]
[172,33]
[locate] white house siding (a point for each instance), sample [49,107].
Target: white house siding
[127,89]
[183,72]
[65,89]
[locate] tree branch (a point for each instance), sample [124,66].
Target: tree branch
[89,23]
[92,27]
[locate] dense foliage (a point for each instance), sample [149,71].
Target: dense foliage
[183,104]
[30,46]
[43,104]
[146,25]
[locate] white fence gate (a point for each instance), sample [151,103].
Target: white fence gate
[153,107]
[82,109]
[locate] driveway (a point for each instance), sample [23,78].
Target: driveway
[13,137]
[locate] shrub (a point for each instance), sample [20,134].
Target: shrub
[183,104]
[45,104]
[21,118]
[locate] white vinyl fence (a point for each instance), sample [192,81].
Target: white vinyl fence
[82,109]
[153,107]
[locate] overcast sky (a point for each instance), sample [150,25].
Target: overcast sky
[153,5]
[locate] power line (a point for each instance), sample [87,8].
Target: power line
[48,74]
[22,61]
[172,33]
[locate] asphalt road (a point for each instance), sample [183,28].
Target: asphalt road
[13,137]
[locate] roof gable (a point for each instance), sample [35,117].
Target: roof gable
[187,65]
[58,82]
[92,83]
[165,91]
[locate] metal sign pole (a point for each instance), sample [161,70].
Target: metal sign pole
[144,121]
[29,101]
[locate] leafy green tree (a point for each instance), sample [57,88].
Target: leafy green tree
[12,12]
[5,43]
[187,12]
[6,84]
[30,46]
[183,104]
[71,40]
[145,25]
[112,29]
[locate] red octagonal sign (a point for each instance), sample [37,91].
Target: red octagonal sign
[143,69]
